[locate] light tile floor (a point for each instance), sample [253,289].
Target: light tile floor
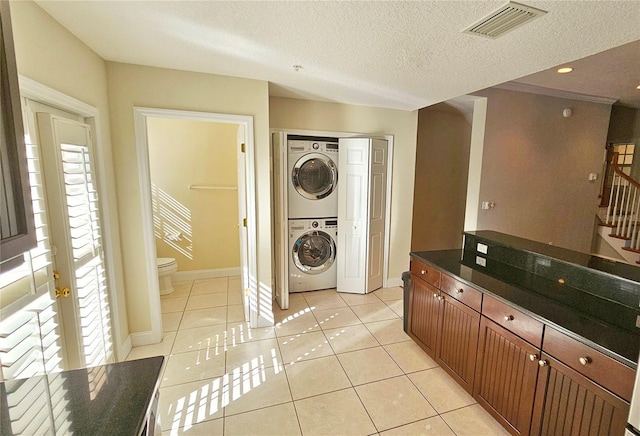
[333,364]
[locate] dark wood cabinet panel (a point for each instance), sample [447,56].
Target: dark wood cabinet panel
[461,292]
[568,403]
[17,228]
[458,341]
[426,272]
[512,319]
[602,369]
[423,315]
[506,375]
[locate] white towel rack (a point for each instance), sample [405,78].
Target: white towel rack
[218,188]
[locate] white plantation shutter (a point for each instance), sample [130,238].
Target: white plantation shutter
[88,257]
[30,341]
[69,144]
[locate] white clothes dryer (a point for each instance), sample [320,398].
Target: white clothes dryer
[312,188]
[312,254]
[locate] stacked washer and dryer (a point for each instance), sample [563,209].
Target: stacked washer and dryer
[312,212]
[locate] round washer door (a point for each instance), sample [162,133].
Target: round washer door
[314,252]
[314,176]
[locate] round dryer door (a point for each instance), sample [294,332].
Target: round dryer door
[314,252]
[314,176]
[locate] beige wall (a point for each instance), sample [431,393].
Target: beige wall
[320,116]
[196,227]
[535,166]
[50,55]
[135,85]
[442,164]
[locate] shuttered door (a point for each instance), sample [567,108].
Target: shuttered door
[30,333]
[74,203]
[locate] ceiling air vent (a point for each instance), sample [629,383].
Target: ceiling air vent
[504,20]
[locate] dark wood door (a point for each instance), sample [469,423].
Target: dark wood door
[458,340]
[568,403]
[506,375]
[423,314]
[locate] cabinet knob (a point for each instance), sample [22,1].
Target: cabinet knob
[533,357]
[440,297]
[585,360]
[459,291]
[435,295]
[508,318]
[423,272]
[543,363]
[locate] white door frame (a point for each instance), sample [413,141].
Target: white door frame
[248,266]
[35,91]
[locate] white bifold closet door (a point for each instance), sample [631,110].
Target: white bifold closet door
[362,184]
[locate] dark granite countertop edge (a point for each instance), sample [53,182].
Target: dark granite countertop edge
[424,257]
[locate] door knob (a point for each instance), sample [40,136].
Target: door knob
[64,292]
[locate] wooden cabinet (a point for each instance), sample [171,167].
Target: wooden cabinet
[444,327]
[506,374]
[604,370]
[423,314]
[458,340]
[533,378]
[17,229]
[568,403]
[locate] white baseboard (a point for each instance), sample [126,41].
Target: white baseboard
[205,274]
[143,338]
[394,281]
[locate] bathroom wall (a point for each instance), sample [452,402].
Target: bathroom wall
[197,227]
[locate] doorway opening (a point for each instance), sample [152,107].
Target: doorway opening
[165,217]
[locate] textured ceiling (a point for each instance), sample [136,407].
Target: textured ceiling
[395,54]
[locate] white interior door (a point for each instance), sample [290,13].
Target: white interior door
[76,234]
[377,213]
[353,212]
[361,214]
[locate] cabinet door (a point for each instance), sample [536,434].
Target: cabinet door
[506,374]
[568,403]
[423,314]
[458,340]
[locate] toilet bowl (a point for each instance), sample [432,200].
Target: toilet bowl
[166,267]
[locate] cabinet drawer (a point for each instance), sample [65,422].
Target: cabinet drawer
[512,319]
[461,292]
[602,369]
[426,272]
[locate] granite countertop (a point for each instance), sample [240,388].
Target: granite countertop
[600,323]
[112,399]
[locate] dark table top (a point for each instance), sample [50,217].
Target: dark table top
[600,323]
[111,399]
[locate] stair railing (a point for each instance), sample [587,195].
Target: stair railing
[624,205]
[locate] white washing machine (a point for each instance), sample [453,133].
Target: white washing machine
[312,188]
[312,254]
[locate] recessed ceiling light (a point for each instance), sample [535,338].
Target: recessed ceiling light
[565,70]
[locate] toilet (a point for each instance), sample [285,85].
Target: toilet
[166,267]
